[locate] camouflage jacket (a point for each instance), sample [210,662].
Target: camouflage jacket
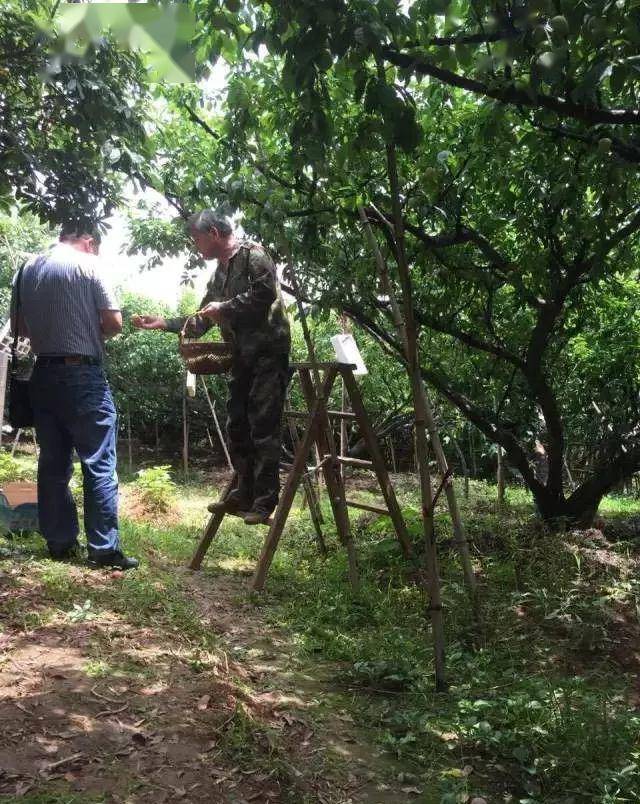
[254,317]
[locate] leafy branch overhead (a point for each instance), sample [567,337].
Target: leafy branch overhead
[518,194]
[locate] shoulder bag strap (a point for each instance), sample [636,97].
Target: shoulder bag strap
[16,314]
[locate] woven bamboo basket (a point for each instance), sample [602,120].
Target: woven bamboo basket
[205,357]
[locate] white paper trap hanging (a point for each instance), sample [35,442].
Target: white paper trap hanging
[191,384]
[347,351]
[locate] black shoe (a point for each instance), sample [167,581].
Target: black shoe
[233,503]
[257,517]
[115,560]
[71,553]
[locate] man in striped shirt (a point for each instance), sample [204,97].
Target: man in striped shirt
[67,310]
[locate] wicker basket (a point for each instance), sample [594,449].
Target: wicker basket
[205,357]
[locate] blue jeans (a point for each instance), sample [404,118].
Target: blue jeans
[73,408]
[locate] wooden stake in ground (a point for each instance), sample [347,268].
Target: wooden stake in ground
[130,450]
[500,479]
[15,441]
[309,491]
[500,476]
[217,423]
[463,465]
[311,352]
[185,435]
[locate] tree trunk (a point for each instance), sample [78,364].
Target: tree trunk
[577,511]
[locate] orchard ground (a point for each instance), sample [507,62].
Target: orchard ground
[167,685]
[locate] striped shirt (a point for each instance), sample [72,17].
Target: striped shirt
[61,296]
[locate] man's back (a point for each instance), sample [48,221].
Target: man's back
[62,294]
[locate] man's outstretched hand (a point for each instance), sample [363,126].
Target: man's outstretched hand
[148,322]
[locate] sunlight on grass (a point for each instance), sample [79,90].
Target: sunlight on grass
[535,700]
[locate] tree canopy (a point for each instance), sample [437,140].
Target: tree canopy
[503,140]
[71,127]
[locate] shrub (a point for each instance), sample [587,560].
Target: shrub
[155,488]
[11,470]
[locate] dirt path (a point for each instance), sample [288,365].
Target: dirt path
[96,707]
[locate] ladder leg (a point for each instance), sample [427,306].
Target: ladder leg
[333,478]
[289,492]
[377,459]
[309,491]
[210,531]
[315,512]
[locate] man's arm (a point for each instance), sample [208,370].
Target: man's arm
[110,322]
[106,305]
[198,324]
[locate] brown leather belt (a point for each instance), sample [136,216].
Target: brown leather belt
[68,360]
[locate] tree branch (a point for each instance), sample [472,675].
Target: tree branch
[628,152]
[630,228]
[470,340]
[418,63]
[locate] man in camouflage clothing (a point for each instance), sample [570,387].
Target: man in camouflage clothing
[243,297]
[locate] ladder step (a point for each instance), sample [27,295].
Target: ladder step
[366,507]
[336,414]
[240,514]
[357,462]
[325,365]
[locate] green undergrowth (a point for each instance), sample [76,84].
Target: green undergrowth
[538,709]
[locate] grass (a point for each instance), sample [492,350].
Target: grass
[538,711]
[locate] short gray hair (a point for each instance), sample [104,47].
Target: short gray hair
[207,220]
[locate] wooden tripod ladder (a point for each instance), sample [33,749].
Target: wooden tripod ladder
[316,390]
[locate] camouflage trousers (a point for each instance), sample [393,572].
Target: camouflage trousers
[257,392]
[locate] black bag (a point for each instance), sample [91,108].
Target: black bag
[20,410]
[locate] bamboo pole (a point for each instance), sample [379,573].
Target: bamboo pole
[217,424]
[15,441]
[413,365]
[344,442]
[311,351]
[459,532]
